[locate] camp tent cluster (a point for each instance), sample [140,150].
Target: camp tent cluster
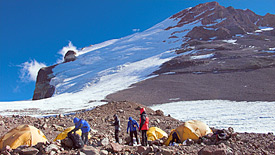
[29,135]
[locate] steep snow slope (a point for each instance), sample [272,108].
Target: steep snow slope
[112,56]
[104,69]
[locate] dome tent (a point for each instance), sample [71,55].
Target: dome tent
[192,129]
[22,135]
[64,133]
[155,133]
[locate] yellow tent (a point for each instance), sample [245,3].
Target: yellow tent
[192,129]
[155,133]
[63,134]
[22,135]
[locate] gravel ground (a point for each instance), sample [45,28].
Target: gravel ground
[100,120]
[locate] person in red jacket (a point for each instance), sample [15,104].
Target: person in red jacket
[143,126]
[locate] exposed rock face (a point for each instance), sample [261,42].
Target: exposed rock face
[217,21]
[43,89]
[70,56]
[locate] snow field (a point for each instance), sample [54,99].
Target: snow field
[243,116]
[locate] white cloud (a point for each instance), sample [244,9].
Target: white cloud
[135,30]
[30,70]
[65,49]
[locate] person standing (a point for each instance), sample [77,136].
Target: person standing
[117,127]
[143,126]
[132,125]
[85,128]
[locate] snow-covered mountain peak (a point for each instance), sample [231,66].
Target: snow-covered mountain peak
[206,21]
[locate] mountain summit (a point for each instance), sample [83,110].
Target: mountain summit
[204,52]
[218,21]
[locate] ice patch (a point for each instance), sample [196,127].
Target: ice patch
[239,35]
[200,14]
[205,56]
[213,38]
[264,29]
[269,51]
[174,99]
[169,73]
[230,41]
[217,21]
[242,116]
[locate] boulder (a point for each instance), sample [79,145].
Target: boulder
[67,142]
[159,113]
[57,127]
[104,142]
[90,150]
[70,56]
[213,150]
[103,152]
[116,147]
[141,149]
[167,151]
[51,148]
[29,151]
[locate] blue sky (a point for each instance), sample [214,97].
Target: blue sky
[35,31]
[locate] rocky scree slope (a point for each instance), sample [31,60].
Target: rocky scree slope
[102,140]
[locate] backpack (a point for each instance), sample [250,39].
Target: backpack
[77,140]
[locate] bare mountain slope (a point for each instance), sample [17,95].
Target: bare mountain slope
[229,60]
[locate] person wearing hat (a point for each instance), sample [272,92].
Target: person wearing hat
[117,127]
[85,128]
[132,125]
[143,126]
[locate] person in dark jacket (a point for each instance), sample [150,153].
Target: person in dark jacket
[117,127]
[143,126]
[132,125]
[85,128]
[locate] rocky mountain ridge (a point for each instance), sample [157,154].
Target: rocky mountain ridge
[220,22]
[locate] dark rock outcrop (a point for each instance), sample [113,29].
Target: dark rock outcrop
[43,89]
[70,56]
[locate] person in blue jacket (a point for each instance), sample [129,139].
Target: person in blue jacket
[133,126]
[85,128]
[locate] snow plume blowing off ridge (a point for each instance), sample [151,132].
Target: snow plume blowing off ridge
[29,70]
